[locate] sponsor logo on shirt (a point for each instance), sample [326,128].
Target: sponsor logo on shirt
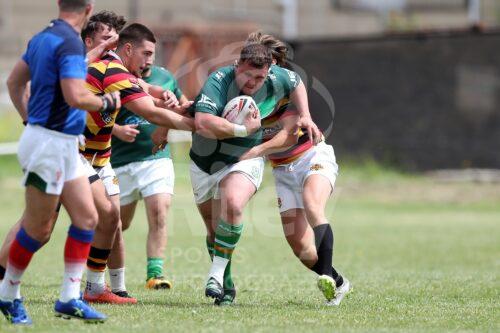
[207,101]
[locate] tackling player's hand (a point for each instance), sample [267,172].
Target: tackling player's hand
[182,109]
[126,133]
[252,122]
[313,130]
[170,100]
[111,43]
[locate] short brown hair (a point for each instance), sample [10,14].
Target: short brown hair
[256,55]
[279,50]
[135,33]
[74,5]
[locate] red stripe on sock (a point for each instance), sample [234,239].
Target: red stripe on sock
[76,251]
[19,256]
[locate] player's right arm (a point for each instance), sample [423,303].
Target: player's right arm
[72,69]
[215,127]
[145,108]
[17,84]
[78,96]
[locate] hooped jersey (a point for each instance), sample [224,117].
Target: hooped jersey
[107,75]
[271,126]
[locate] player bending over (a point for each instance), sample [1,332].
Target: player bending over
[305,176]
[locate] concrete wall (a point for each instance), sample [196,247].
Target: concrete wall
[420,102]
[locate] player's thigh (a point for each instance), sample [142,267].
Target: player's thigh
[316,192]
[78,200]
[105,207]
[235,192]
[157,206]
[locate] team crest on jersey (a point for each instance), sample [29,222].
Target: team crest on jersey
[316,167]
[255,172]
[106,117]
[115,180]
[219,76]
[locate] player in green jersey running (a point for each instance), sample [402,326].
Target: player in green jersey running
[143,174]
[223,185]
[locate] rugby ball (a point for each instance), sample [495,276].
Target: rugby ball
[238,108]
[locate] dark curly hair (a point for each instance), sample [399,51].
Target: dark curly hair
[105,17]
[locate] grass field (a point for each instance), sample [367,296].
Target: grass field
[422,256]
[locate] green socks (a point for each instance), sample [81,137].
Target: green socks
[234,236]
[155,267]
[226,238]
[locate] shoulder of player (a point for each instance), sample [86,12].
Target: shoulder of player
[162,73]
[67,40]
[68,45]
[277,72]
[283,77]
[220,79]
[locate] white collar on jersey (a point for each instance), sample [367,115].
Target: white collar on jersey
[114,55]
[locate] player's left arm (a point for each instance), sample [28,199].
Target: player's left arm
[17,84]
[299,98]
[283,140]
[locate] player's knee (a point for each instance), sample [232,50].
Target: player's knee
[158,218]
[109,219]
[91,220]
[43,233]
[234,207]
[314,213]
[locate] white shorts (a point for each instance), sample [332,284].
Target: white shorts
[143,179]
[89,170]
[105,173]
[48,158]
[290,178]
[206,186]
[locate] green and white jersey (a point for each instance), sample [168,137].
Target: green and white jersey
[211,155]
[140,150]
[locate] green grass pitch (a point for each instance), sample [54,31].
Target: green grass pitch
[422,256]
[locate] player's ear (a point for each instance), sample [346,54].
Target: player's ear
[88,42]
[128,49]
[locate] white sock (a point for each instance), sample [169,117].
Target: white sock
[71,282]
[117,279]
[10,288]
[96,282]
[217,270]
